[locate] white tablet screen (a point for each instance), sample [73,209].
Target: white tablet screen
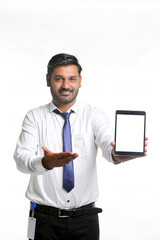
[130,133]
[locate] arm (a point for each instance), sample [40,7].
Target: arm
[27,156]
[104,138]
[103,133]
[30,157]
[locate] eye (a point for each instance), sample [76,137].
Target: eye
[73,79]
[58,79]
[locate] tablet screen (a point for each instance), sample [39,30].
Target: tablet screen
[130,133]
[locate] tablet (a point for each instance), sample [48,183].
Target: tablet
[130,133]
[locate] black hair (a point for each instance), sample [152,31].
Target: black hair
[62,59]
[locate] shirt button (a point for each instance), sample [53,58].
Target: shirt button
[68,201]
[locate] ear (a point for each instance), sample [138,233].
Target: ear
[48,79]
[80,79]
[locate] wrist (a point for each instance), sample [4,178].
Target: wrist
[45,164]
[115,158]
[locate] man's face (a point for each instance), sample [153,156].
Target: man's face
[64,84]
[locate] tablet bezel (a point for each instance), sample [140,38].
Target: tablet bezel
[125,153]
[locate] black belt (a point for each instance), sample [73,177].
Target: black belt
[74,212]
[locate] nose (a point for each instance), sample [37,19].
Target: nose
[65,84]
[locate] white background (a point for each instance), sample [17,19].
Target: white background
[118,45]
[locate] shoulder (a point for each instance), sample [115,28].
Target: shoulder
[40,109]
[89,109]
[91,112]
[38,113]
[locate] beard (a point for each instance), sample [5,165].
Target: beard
[62,100]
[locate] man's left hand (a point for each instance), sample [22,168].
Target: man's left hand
[124,159]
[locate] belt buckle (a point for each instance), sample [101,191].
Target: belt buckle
[60,214]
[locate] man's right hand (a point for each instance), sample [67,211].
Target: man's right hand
[52,160]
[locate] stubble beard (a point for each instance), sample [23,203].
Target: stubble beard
[60,100]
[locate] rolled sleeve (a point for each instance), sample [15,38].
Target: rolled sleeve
[28,155]
[103,134]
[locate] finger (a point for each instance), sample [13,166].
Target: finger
[68,158]
[63,162]
[65,155]
[75,155]
[113,144]
[146,138]
[47,152]
[146,144]
[45,149]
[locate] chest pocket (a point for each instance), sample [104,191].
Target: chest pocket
[83,144]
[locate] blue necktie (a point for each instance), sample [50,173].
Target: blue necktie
[68,170]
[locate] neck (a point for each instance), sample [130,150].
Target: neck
[64,107]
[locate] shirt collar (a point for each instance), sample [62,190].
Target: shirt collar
[74,108]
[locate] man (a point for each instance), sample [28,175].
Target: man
[63,191]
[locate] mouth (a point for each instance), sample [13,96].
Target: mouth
[65,92]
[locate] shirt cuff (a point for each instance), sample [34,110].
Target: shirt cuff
[37,165]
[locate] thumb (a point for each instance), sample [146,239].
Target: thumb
[46,150]
[113,144]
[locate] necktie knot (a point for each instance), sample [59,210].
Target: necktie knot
[65,115]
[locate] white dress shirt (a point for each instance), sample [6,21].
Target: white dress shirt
[42,127]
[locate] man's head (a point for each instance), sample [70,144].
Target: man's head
[64,78]
[62,59]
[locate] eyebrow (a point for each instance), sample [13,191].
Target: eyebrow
[58,76]
[63,76]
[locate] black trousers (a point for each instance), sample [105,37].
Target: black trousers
[85,227]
